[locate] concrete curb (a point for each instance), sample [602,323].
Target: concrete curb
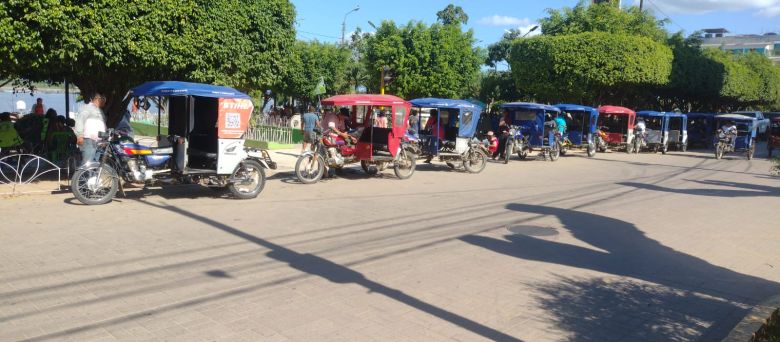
[753,320]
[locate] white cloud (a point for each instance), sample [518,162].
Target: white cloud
[769,12]
[768,8]
[502,20]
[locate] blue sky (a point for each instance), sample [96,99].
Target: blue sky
[321,20]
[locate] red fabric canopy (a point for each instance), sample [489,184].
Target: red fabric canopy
[616,110]
[364,99]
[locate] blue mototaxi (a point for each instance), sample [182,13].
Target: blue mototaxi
[582,127]
[745,140]
[676,131]
[701,128]
[447,132]
[655,131]
[531,126]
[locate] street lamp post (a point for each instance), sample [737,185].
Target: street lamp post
[344,23]
[531,30]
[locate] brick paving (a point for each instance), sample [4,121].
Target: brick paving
[617,248]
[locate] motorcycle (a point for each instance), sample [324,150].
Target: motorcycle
[516,142]
[331,151]
[725,143]
[601,139]
[639,141]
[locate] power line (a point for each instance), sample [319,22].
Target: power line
[317,34]
[666,15]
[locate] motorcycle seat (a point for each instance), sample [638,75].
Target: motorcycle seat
[200,153]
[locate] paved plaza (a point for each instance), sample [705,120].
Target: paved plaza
[619,247]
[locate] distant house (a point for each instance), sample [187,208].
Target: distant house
[767,44]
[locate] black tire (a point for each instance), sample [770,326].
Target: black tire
[82,178]
[665,149]
[684,147]
[555,151]
[368,168]
[629,147]
[475,161]
[601,145]
[637,145]
[591,150]
[719,151]
[248,169]
[451,165]
[563,151]
[508,151]
[306,170]
[752,150]
[409,164]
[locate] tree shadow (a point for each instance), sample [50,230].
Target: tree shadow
[715,298]
[308,264]
[750,190]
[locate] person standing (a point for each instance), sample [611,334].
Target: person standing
[89,123]
[309,121]
[37,108]
[268,103]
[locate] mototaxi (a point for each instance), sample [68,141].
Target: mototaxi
[701,128]
[531,126]
[448,132]
[654,137]
[581,127]
[676,131]
[744,140]
[617,126]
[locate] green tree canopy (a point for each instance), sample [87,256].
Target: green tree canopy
[111,45]
[589,68]
[437,60]
[603,17]
[308,62]
[452,15]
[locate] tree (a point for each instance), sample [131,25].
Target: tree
[308,62]
[603,17]
[498,52]
[589,68]
[437,60]
[452,15]
[110,45]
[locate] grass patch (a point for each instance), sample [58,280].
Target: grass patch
[770,331]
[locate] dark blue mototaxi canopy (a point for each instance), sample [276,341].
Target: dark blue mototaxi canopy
[176,88]
[530,105]
[468,126]
[650,113]
[576,108]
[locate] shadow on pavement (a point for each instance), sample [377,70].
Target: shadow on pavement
[308,264]
[749,190]
[688,296]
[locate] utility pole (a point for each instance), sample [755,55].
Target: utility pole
[641,5]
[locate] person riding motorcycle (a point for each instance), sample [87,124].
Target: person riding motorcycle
[730,130]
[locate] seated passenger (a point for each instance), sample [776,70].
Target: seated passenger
[9,138]
[492,144]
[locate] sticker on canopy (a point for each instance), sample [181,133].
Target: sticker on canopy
[233,118]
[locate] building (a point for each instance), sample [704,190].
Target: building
[767,44]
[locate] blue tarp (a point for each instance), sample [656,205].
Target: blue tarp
[176,88]
[468,123]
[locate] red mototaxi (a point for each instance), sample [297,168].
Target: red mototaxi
[622,135]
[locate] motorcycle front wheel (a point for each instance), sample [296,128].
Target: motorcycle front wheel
[475,161]
[591,150]
[95,185]
[309,168]
[508,151]
[404,167]
[719,151]
[248,180]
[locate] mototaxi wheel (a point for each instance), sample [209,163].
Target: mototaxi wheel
[404,167]
[665,149]
[475,161]
[248,180]
[95,185]
[368,168]
[684,148]
[591,150]
[309,168]
[629,148]
[637,145]
[555,151]
[508,151]
[719,151]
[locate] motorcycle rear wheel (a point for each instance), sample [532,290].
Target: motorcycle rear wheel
[251,170]
[309,168]
[719,151]
[555,151]
[90,190]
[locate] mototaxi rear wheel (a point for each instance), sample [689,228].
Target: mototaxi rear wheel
[248,180]
[475,161]
[404,167]
[309,168]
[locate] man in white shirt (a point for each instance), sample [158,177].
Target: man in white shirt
[89,123]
